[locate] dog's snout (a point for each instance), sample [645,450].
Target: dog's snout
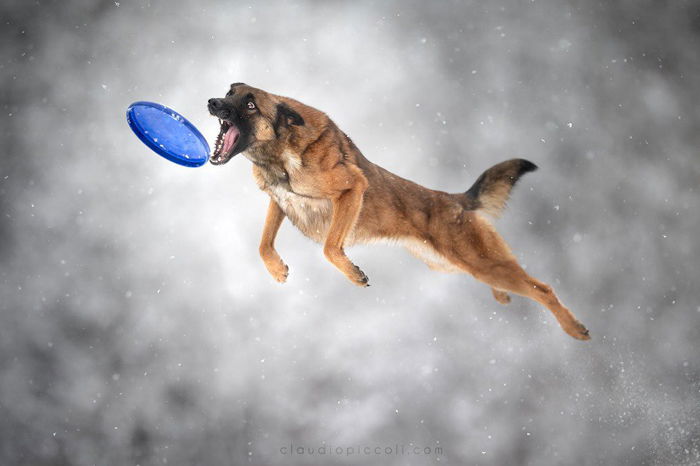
[218,108]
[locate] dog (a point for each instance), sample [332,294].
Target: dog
[318,179]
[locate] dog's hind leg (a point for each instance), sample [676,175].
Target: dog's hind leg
[479,250]
[511,277]
[273,262]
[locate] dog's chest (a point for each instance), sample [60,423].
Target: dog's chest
[311,215]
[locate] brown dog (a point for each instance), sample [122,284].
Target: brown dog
[318,178]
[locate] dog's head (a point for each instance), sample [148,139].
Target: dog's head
[250,119]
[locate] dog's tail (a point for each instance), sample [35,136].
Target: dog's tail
[492,189]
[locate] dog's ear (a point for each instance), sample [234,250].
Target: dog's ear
[287,116]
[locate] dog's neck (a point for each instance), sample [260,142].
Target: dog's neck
[270,165]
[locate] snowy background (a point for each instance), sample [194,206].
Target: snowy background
[138,325]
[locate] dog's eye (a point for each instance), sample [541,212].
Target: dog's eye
[251,105]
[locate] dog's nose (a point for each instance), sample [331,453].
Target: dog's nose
[218,109]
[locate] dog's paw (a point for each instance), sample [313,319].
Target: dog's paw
[279,271]
[359,278]
[501,296]
[577,330]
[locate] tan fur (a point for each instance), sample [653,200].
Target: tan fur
[317,177]
[494,202]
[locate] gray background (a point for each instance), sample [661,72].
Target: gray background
[138,325]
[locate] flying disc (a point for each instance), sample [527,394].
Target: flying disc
[168,133]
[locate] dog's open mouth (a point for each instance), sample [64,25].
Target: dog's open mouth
[225,143]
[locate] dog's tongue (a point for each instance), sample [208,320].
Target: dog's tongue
[230,138]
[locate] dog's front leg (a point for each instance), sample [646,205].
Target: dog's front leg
[346,210]
[277,268]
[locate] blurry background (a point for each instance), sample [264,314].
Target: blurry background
[138,325]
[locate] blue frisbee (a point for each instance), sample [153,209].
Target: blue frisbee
[168,133]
